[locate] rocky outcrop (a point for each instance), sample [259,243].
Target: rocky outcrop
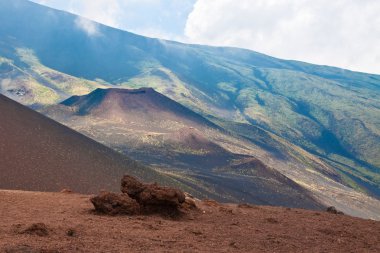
[131,186]
[141,198]
[113,203]
[151,194]
[333,210]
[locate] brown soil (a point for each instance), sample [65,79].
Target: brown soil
[72,226]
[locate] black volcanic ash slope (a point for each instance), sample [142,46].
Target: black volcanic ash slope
[37,153]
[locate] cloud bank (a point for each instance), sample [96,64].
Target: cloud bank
[107,12]
[343,33]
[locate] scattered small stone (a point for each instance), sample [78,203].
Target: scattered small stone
[333,210]
[151,227]
[210,202]
[67,191]
[39,229]
[196,232]
[245,205]
[233,244]
[71,232]
[226,210]
[189,203]
[272,220]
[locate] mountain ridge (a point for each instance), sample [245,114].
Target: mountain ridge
[281,105]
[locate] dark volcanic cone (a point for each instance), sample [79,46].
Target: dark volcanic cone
[133,105]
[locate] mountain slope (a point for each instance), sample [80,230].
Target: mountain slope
[133,105]
[36,153]
[254,166]
[158,131]
[330,112]
[333,114]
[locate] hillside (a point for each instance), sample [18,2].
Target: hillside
[151,128]
[144,105]
[254,166]
[46,57]
[73,227]
[37,153]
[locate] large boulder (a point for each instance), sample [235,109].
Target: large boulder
[140,198]
[151,194]
[159,195]
[113,204]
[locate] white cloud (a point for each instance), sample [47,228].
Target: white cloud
[103,11]
[343,33]
[90,27]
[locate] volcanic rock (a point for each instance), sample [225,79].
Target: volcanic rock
[137,197]
[160,195]
[189,202]
[333,210]
[113,204]
[39,229]
[67,191]
[151,194]
[131,186]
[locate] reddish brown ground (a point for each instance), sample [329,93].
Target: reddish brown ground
[73,227]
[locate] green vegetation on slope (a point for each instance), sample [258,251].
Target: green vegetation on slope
[330,112]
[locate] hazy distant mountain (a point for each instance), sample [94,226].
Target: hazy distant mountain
[46,56]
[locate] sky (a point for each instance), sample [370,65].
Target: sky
[342,33]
